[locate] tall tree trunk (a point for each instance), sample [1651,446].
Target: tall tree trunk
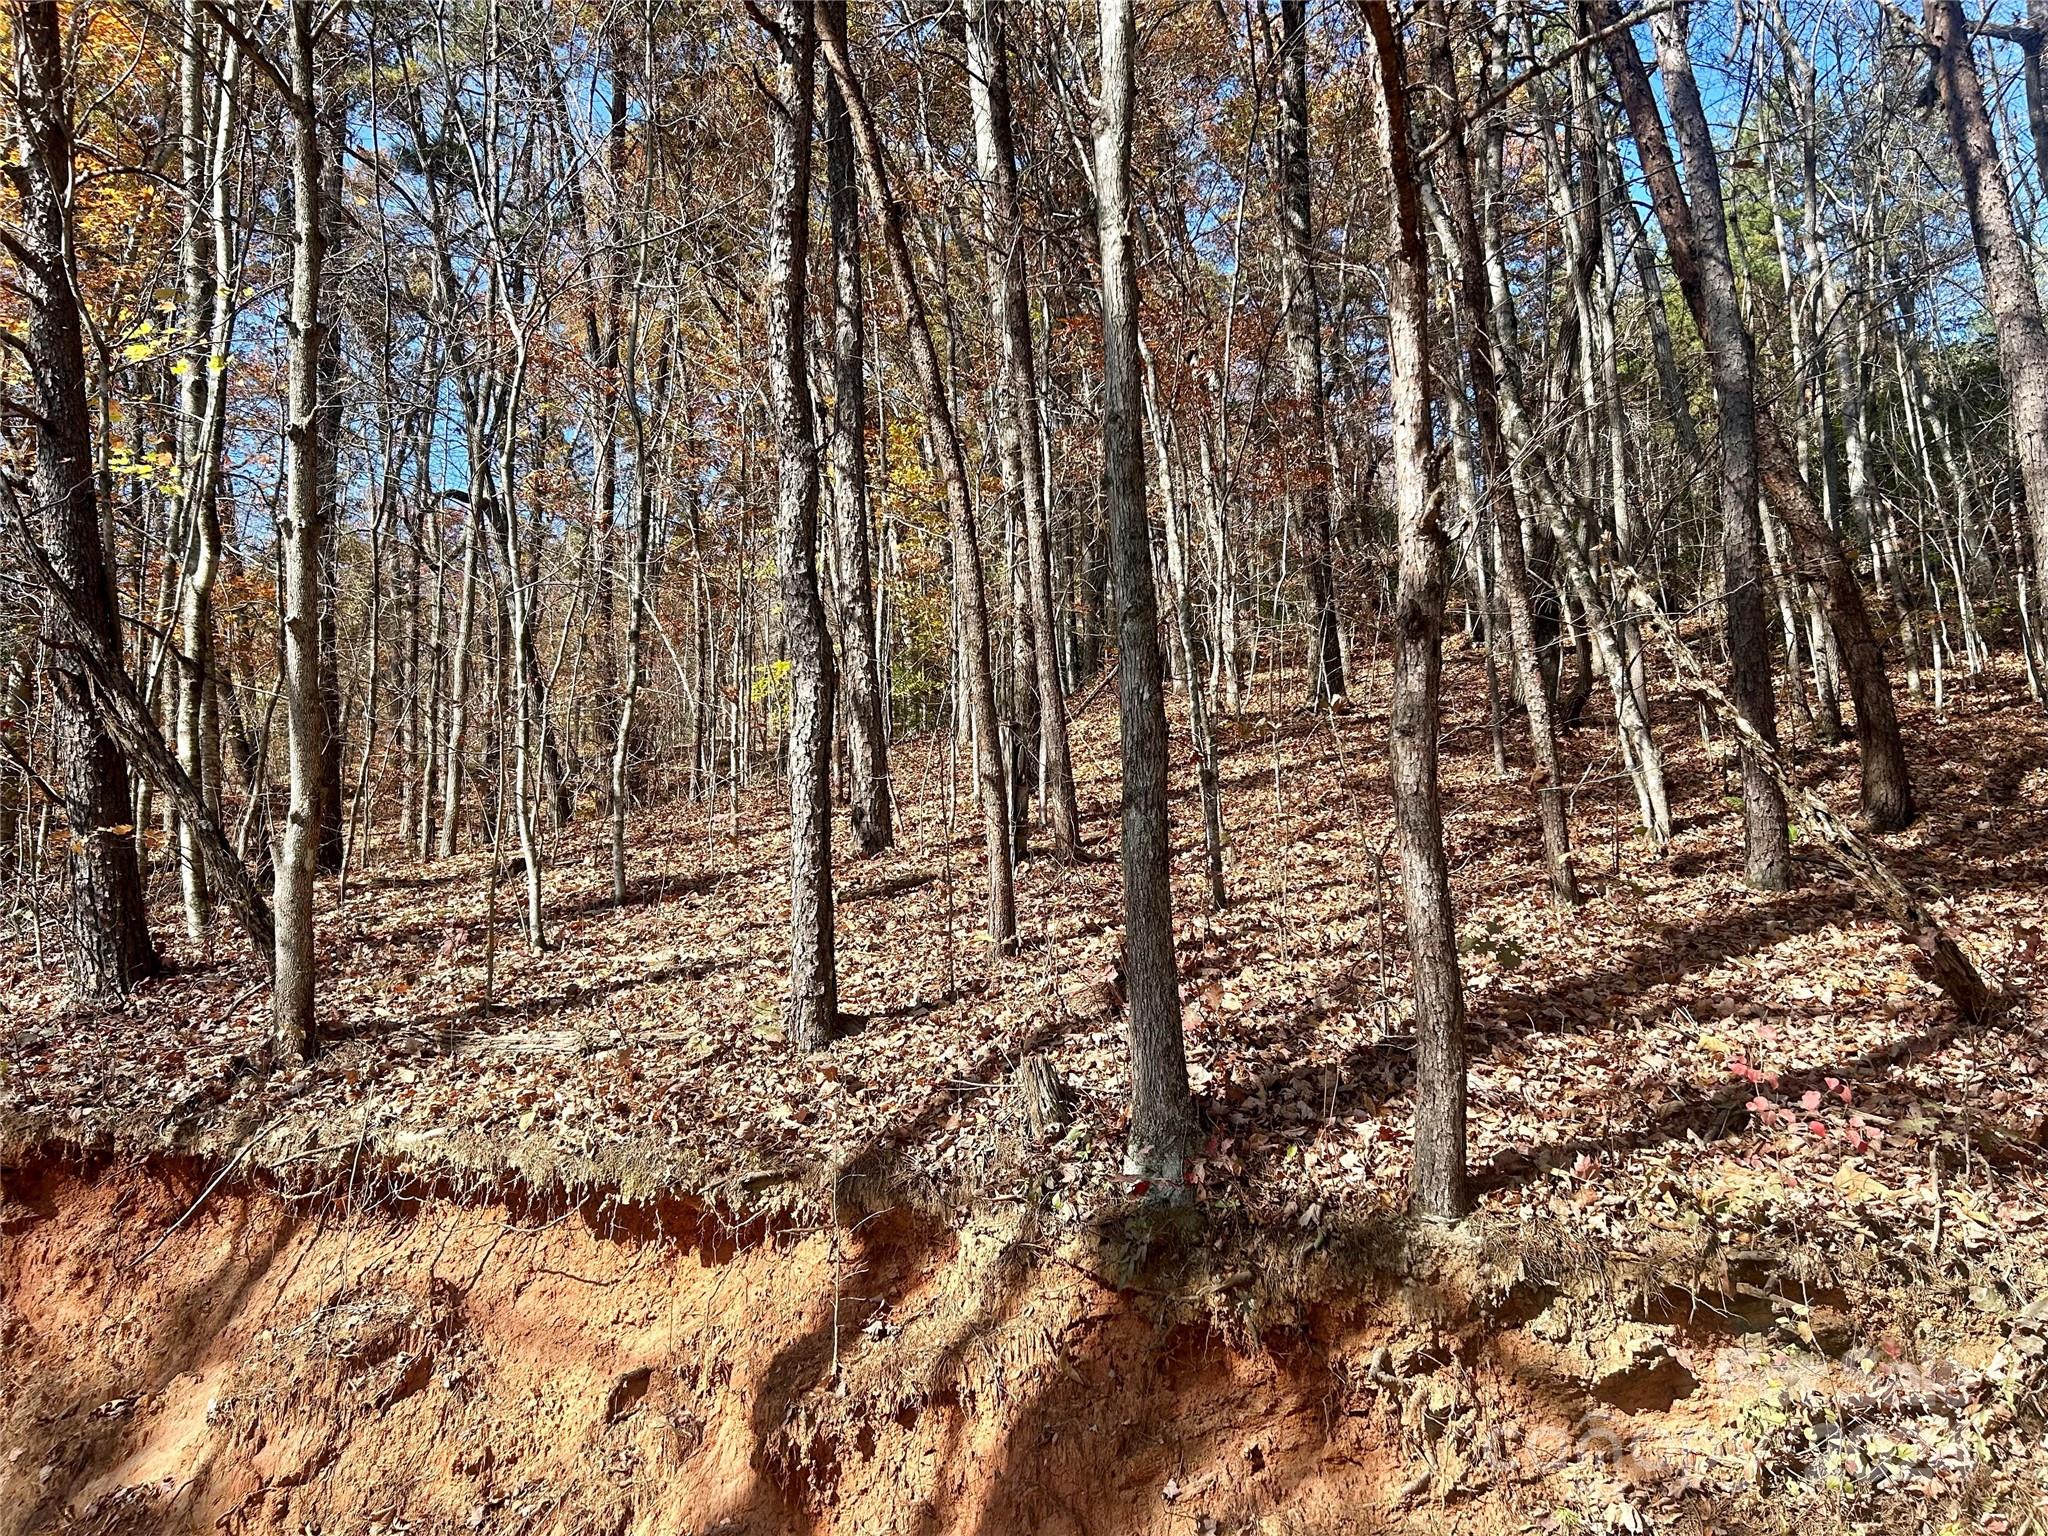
[331,846]
[867,735]
[637,570]
[604,245]
[1767,846]
[1887,787]
[1162,1114]
[452,765]
[1455,179]
[969,587]
[988,73]
[1302,310]
[110,943]
[2009,291]
[300,534]
[519,672]
[639,553]
[206,321]
[1439,1172]
[813,975]
[1194,662]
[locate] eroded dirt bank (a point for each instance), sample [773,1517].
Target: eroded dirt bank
[426,1365]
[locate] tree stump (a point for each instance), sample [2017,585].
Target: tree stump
[1040,1101]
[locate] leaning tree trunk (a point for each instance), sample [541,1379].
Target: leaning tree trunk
[1439,1172]
[119,707]
[1455,181]
[1887,787]
[988,73]
[110,948]
[1767,846]
[1302,310]
[867,733]
[970,589]
[1162,1115]
[2009,291]
[813,978]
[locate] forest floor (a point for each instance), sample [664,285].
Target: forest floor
[1683,1095]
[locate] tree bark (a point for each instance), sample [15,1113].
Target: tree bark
[1301,307]
[452,766]
[861,686]
[110,942]
[989,80]
[209,95]
[968,584]
[2009,290]
[1162,1114]
[1439,1171]
[299,534]
[813,977]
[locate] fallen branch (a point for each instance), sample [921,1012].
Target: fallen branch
[1109,673]
[112,697]
[20,763]
[1954,971]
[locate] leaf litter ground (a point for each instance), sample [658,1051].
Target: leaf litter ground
[1677,1050]
[1769,1085]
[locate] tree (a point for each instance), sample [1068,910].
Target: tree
[330,845]
[1162,1115]
[867,734]
[1454,179]
[300,536]
[1766,839]
[2009,290]
[209,75]
[1303,312]
[969,586]
[1887,788]
[988,77]
[111,948]
[1439,1174]
[813,977]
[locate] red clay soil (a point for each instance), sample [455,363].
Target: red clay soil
[437,1366]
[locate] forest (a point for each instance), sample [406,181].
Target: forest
[1023,765]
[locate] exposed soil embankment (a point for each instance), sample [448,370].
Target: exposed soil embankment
[267,1364]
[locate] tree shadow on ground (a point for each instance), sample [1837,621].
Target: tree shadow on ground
[1713,1116]
[81,1440]
[886,887]
[1502,1015]
[648,891]
[509,1015]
